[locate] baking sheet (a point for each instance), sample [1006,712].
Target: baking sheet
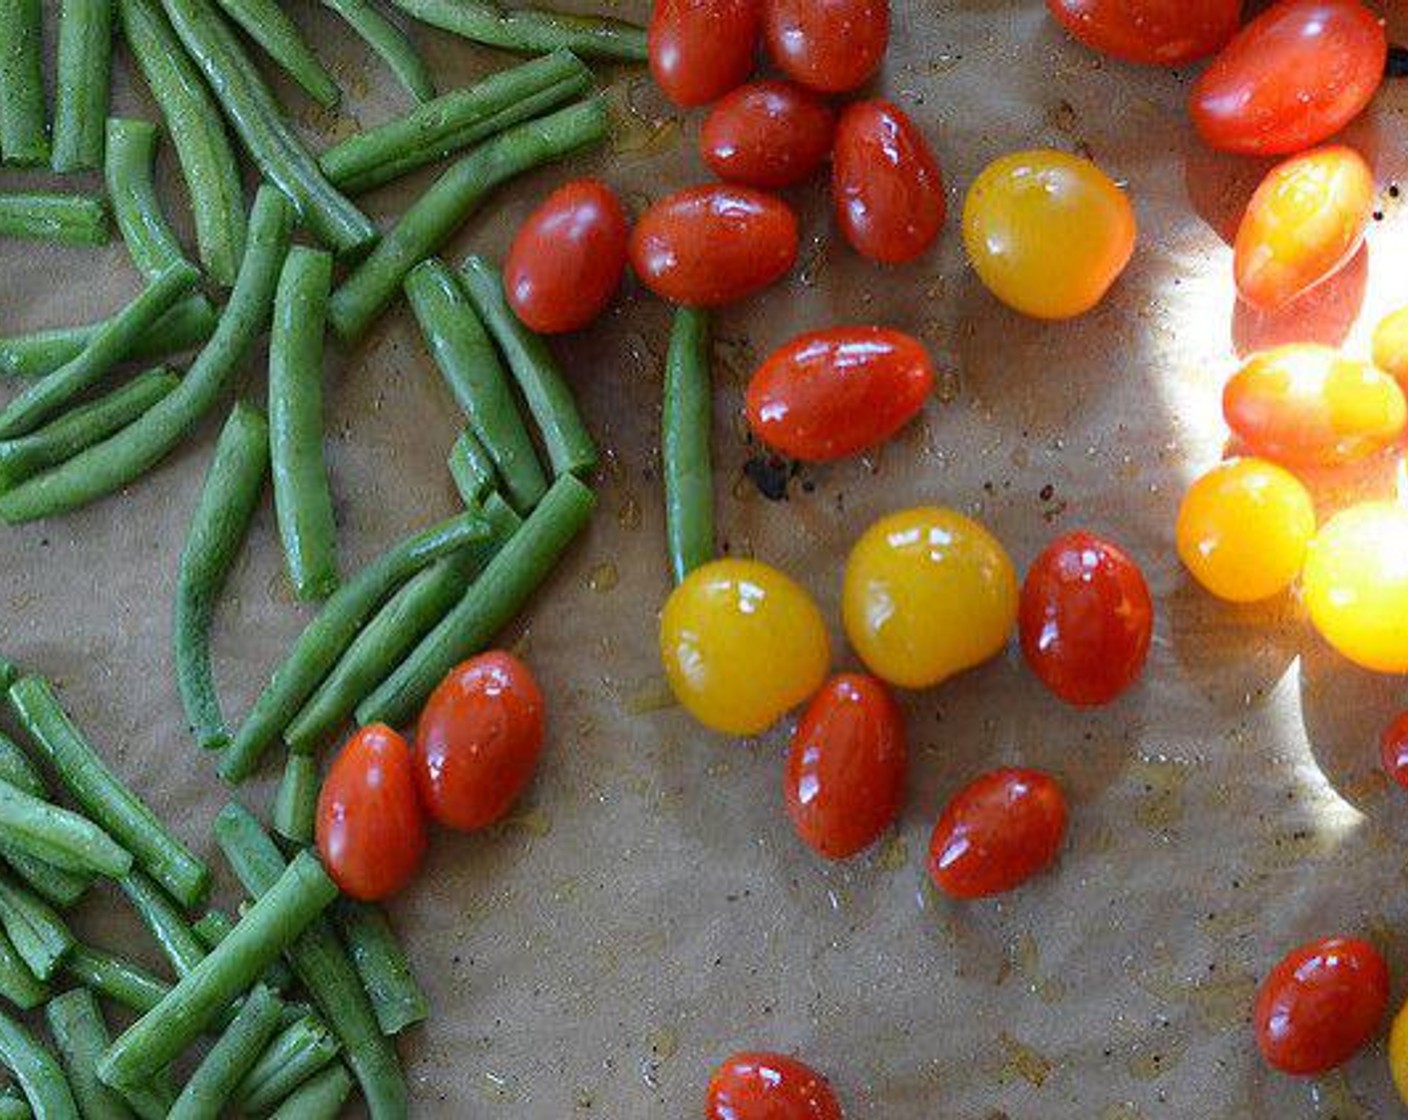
[649,910]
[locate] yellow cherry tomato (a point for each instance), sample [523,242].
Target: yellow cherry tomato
[1356,585]
[742,644]
[1243,529]
[1391,345]
[1398,1053]
[928,593]
[1047,232]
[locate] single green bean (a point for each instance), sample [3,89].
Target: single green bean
[69,219]
[123,982]
[165,922]
[296,803]
[525,561]
[24,137]
[227,502]
[531,30]
[298,1052]
[268,24]
[433,218]
[9,673]
[14,1108]
[37,1071]
[103,796]
[390,43]
[686,418]
[17,983]
[15,766]
[53,884]
[151,1101]
[569,445]
[84,71]
[230,1058]
[319,1098]
[328,635]
[58,836]
[215,925]
[188,324]
[36,931]
[471,469]
[381,963]
[76,1023]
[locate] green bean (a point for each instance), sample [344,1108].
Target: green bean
[525,561]
[208,162]
[471,469]
[470,367]
[530,30]
[109,346]
[76,1023]
[119,459]
[69,219]
[62,838]
[123,982]
[9,673]
[227,502]
[268,24]
[15,1108]
[389,42]
[302,498]
[320,1098]
[104,798]
[199,998]
[686,418]
[405,618]
[230,1058]
[324,639]
[82,427]
[17,983]
[215,925]
[151,1101]
[24,137]
[167,925]
[434,217]
[188,324]
[565,437]
[37,1071]
[53,884]
[454,121]
[296,803]
[15,766]
[84,71]
[36,931]
[298,1052]
[381,963]
[252,109]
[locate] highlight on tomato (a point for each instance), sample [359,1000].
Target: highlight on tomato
[757,1085]
[827,45]
[1393,750]
[1155,32]
[701,49]
[769,134]
[1391,346]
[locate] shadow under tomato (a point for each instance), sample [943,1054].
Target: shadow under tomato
[1325,314]
[1219,186]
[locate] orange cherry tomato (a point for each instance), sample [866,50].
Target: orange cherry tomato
[713,245]
[827,45]
[1320,1005]
[1303,225]
[767,134]
[1291,78]
[701,49]
[1393,750]
[1391,346]
[567,258]
[370,829]
[885,183]
[837,392]
[1157,32]
[478,741]
[755,1085]
[845,771]
[1004,827]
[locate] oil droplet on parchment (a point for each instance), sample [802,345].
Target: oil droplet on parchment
[1122,1110]
[651,695]
[603,578]
[1333,1098]
[1162,780]
[534,821]
[1023,1062]
[894,855]
[1024,956]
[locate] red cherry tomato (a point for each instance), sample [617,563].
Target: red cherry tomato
[885,183]
[1157,32]
[712,245]
[567,258]
[845,771]
[763,1086]
[370,830]
[767,134]
[827,45]
[997,832]
[1086,619]
[1393,750]
[1320,1005]
[837,392]
[701,49]
[1291,78]
[478,741]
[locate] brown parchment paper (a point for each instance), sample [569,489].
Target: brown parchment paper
[649,910]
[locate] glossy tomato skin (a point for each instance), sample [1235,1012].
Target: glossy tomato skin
[1086,619]
[701,49]
[1291,78]
[756,1085]
[713,245]
[567,258]
[370,829]
[846,767]
[833,393]
[1391,346]
[1355,585]
[1320,1005]
[769,134]
[1000,830]
[1393,752]
[827,45]
[478,741]
[1155,32]
[885,183]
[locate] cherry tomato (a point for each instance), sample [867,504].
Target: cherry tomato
[1393,750]
[1320,1005]
[713,245]
[767,134]
[1047,232]
[567,258]
[1398,1053]
[762,1086]
[1158,32]
[997,832]
[845,771]
[1086,619]
[1391,346]
[742,645]
[885,183]
[1291,78]
[701,49]
[928,593]
[370,830]
[833,393]
[1243,529]
[1356,585]
[1303,225]
[478,741]
[828,45]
